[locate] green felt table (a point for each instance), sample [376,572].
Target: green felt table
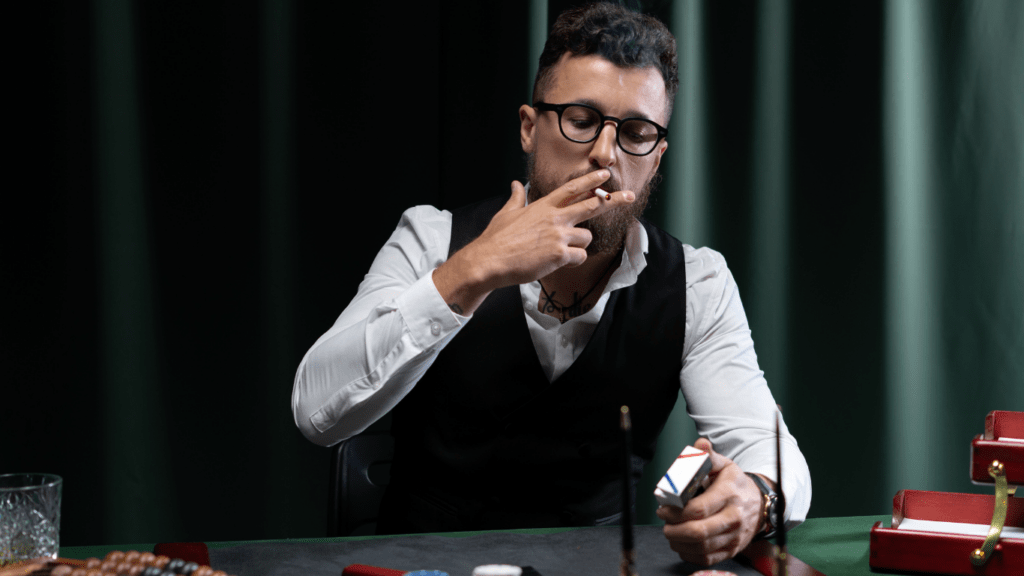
[834,546]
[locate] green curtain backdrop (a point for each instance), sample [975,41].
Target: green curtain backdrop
[881,259]
[954,253]
[209,185]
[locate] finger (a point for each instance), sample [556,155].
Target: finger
[597,205]
[725,523]
[607,196]
[670,514]
[564,194]
[518,197]
[575,256]
[707,504]
[579,237]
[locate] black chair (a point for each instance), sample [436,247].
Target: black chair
[359,473]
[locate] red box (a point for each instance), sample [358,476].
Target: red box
[945,553]
[985,449]
[917,550]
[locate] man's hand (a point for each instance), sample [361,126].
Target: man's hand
[523,243]
[717,524]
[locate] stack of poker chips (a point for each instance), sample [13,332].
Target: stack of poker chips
[134,563]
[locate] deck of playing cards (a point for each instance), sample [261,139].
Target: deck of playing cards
[683,478]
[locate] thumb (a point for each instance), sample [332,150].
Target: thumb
[717,460]
[703,444]
[518,198]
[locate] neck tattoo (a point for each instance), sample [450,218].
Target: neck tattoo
[576,308]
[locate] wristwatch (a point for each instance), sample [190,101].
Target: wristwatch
[769,506]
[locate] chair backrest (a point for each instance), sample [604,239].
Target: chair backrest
[359,473]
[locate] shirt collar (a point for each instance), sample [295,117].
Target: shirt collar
[633,259]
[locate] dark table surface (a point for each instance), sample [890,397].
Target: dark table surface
[834,546]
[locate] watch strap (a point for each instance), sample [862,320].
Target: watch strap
[769,500]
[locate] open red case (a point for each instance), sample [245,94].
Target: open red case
[954,533]
[1003,441]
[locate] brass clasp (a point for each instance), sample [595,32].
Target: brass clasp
[981,555]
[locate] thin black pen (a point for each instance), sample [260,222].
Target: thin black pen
[780,509]
[628,566]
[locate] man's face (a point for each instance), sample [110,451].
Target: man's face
[553,160]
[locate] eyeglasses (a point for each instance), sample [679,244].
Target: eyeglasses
[581,123]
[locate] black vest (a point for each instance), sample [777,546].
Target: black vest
[483,441]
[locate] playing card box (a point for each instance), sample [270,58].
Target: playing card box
[684,477]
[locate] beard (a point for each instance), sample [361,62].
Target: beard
[607,229]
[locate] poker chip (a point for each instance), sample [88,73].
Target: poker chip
[713,573]
[497,570]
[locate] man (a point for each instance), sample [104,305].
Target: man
[505,335]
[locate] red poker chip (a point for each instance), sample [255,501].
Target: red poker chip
[713,573]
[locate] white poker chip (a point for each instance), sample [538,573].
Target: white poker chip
[497,570]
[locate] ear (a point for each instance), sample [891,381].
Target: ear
[527,126]
[662,146]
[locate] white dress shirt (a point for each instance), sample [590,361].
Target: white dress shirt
[394,328]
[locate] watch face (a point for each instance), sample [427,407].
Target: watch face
[768,509]
[770,527]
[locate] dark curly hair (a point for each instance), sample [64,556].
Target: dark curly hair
[623,37]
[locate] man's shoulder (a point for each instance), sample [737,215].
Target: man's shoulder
[422,228]
[701,256]
[705,267]
[702,264]
[426,214]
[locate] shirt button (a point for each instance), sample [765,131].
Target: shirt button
[435,327]
[565,341]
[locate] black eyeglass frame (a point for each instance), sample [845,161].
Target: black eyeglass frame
[559,108]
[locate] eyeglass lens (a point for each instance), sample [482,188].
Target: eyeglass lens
[581,124]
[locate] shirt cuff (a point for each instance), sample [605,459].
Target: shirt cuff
[427,316]
[795,487]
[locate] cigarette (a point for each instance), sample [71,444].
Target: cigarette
[600,192]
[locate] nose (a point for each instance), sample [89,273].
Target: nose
[605,148]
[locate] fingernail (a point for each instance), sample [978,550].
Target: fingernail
[604,174]
[630,196]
